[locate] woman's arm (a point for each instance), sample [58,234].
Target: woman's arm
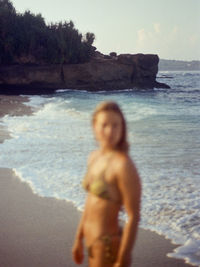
[130,189]
[79,232]
[77,249]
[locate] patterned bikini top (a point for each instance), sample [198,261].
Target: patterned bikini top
[98,186]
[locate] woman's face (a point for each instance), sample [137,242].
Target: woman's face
[108,128]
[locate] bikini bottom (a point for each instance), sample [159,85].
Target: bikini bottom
[107,241]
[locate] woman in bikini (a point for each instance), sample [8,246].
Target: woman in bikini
[112,182]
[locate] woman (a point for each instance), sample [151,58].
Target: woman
[111,181]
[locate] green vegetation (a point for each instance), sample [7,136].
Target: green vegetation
[25,38]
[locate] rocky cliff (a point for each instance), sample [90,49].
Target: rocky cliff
[101,73]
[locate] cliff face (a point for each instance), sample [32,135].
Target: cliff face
[121,72]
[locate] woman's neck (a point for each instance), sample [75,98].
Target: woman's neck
[106,150]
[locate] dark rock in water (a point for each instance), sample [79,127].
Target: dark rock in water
[101,73]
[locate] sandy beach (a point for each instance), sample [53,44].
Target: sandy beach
[39,232]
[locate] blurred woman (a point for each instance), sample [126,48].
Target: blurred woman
[112,182]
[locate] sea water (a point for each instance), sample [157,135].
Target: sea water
[49,151]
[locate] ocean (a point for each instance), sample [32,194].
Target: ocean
[49,151]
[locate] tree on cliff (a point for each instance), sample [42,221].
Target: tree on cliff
[25,38]
[7,22]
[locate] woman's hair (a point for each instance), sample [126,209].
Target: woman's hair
[114,107]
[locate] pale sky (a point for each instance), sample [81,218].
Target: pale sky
[169,28]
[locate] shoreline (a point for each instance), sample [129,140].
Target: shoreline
[12,106]
[39,231]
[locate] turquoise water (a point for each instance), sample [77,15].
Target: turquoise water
[49,151]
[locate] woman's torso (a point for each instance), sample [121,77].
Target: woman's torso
[103,202]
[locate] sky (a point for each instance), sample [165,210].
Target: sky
[169,28]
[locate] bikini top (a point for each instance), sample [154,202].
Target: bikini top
[98,185]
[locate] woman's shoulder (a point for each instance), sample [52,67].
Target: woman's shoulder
[122,158]
[123,161]
[92,156]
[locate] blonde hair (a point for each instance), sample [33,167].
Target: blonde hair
[112,106]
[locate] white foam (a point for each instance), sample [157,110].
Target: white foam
[62,90]
[191,247]
[35,101]
[46,146]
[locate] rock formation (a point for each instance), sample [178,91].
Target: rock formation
[101,73]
